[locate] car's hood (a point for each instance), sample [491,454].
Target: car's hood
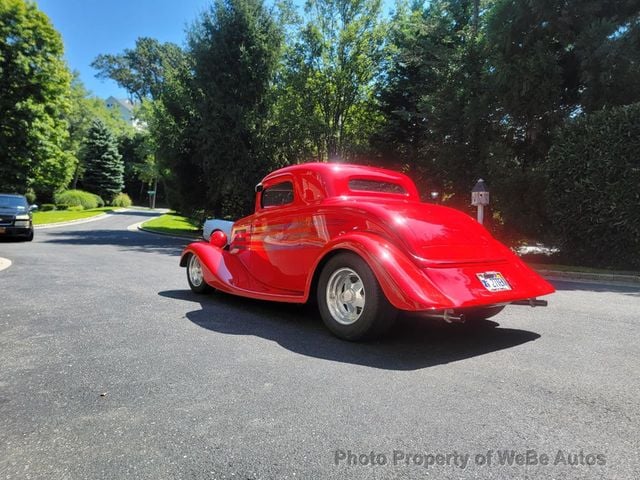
[437,234]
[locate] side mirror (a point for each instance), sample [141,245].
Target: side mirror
[33,208]
[259,188]
[218,239]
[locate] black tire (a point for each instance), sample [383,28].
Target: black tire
[481,313]
[373,318]
[30,236]
[197,287]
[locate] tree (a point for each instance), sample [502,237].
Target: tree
[433,98]
[104,167]
[34,98]
[549,62]
[86,108]
[325,104]
[140,71]
[235,47]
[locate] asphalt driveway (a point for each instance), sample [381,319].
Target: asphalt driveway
[111,368]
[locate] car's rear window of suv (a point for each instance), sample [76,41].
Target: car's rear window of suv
[377,186]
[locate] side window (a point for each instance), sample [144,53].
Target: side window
[277,195]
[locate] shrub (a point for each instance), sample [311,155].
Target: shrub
[121,200]
[30,195]
[63,206]
[78,197]
[75,208]
[593,199]
[47,207]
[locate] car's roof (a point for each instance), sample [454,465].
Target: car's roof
[348,169]
[337,175]
[12,195]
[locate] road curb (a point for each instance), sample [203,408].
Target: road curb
[633,280]
[4,263]
[140,228]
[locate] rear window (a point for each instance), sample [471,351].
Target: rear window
[362,185]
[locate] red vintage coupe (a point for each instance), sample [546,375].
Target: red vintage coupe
[358,241]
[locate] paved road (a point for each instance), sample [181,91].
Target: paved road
[111,368]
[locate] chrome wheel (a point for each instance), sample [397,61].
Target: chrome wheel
[195,271]
[345,296]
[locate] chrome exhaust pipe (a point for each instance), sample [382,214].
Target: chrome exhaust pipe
[450,317]
[532,302]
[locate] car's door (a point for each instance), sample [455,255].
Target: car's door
[283,236]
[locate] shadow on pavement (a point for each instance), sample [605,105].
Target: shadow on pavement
[139,241]
[413,343]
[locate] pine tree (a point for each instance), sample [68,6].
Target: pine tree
[104,168]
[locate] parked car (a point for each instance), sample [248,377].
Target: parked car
[15,216]
[358,241]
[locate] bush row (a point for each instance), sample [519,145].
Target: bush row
[593,189]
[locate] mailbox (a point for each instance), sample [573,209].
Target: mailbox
[480,198]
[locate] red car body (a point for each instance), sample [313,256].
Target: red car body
[425,257]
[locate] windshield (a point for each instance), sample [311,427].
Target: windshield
[13,201]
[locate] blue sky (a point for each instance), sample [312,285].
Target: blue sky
[91,27]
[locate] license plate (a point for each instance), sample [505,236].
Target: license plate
[493,281]
[2,229]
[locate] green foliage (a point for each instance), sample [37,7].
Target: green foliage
[433,100]
[74,198]
[104,167]
[74,208]
[235,48]
[86,108]
[121,200]
[34,91]
[325,106]
[593,174]
[47,207]
[142,70]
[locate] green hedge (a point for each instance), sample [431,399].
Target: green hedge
[593,190]
[121,200]
[75,198]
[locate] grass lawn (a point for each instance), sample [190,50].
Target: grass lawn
[53,216]
[173,224]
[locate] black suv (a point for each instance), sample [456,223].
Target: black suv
[15,216]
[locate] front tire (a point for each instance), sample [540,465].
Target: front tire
[350,300]
[195,276]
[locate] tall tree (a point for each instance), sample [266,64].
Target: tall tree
[235,47]
[85,108]
[141,70]
[550,61]
[433,98]
[103,164]
[326,85]
[34,97]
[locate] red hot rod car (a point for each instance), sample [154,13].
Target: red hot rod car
[359,241]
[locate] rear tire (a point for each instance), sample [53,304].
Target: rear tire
[351,303]
[195,276]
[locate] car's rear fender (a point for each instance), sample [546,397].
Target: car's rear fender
[404,284]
